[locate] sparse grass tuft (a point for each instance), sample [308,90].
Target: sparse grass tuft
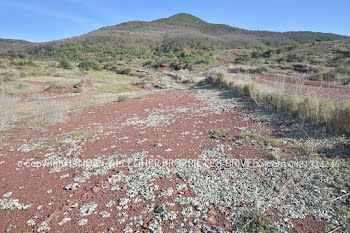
[219,134]
[52,85]
[255,222]
[78,134]
[279,155]
[303,147]
[116,88]
[262,140]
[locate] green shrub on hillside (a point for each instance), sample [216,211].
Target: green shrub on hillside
[89,64]
[64,64]
[23,63]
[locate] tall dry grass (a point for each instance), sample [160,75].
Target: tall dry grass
[309,107]
[40,112]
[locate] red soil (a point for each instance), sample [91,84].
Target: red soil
[30,186]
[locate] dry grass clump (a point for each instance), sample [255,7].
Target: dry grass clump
[123,98]
[262,140]
[41,112]
[312,108]
[7,104]
[49,113]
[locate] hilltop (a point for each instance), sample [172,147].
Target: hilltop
[162,35]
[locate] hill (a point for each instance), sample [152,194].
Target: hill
[163,35]
[9,44]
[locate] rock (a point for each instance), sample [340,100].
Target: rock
[211,220]
[213,212]
[88,209]
[96,189]
[159,209]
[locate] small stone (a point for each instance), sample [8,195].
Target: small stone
[159,209]
[212,212]
[96,189]
[123,201]
[158,145]
[7,194]
[87,209]
[83,222]
[64,221]
[211,220]
[31,222]
[105,214]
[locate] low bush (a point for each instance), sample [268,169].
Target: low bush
[123,98]
[254,222]
[64,64]
[23,63]
[89,64]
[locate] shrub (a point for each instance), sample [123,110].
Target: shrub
[52,85]
[326,111]
[89,64]
[241,60]
[31,63]
[123,98]
[254,222]
[124,71]
[309,109]
[64,64]
[291,103]
[23,63]
[341,120]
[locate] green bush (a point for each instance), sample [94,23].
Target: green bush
[23,63]
[254,222]
[89,64]
[64,64]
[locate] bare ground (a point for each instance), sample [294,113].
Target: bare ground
[187,160]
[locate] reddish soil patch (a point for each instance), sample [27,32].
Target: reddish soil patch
[35,83]
[59,91]
[309,224]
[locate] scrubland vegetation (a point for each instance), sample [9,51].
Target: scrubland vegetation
[43,93]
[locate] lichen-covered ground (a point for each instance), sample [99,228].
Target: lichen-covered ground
[185,160]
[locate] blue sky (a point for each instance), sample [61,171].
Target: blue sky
[46,20]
